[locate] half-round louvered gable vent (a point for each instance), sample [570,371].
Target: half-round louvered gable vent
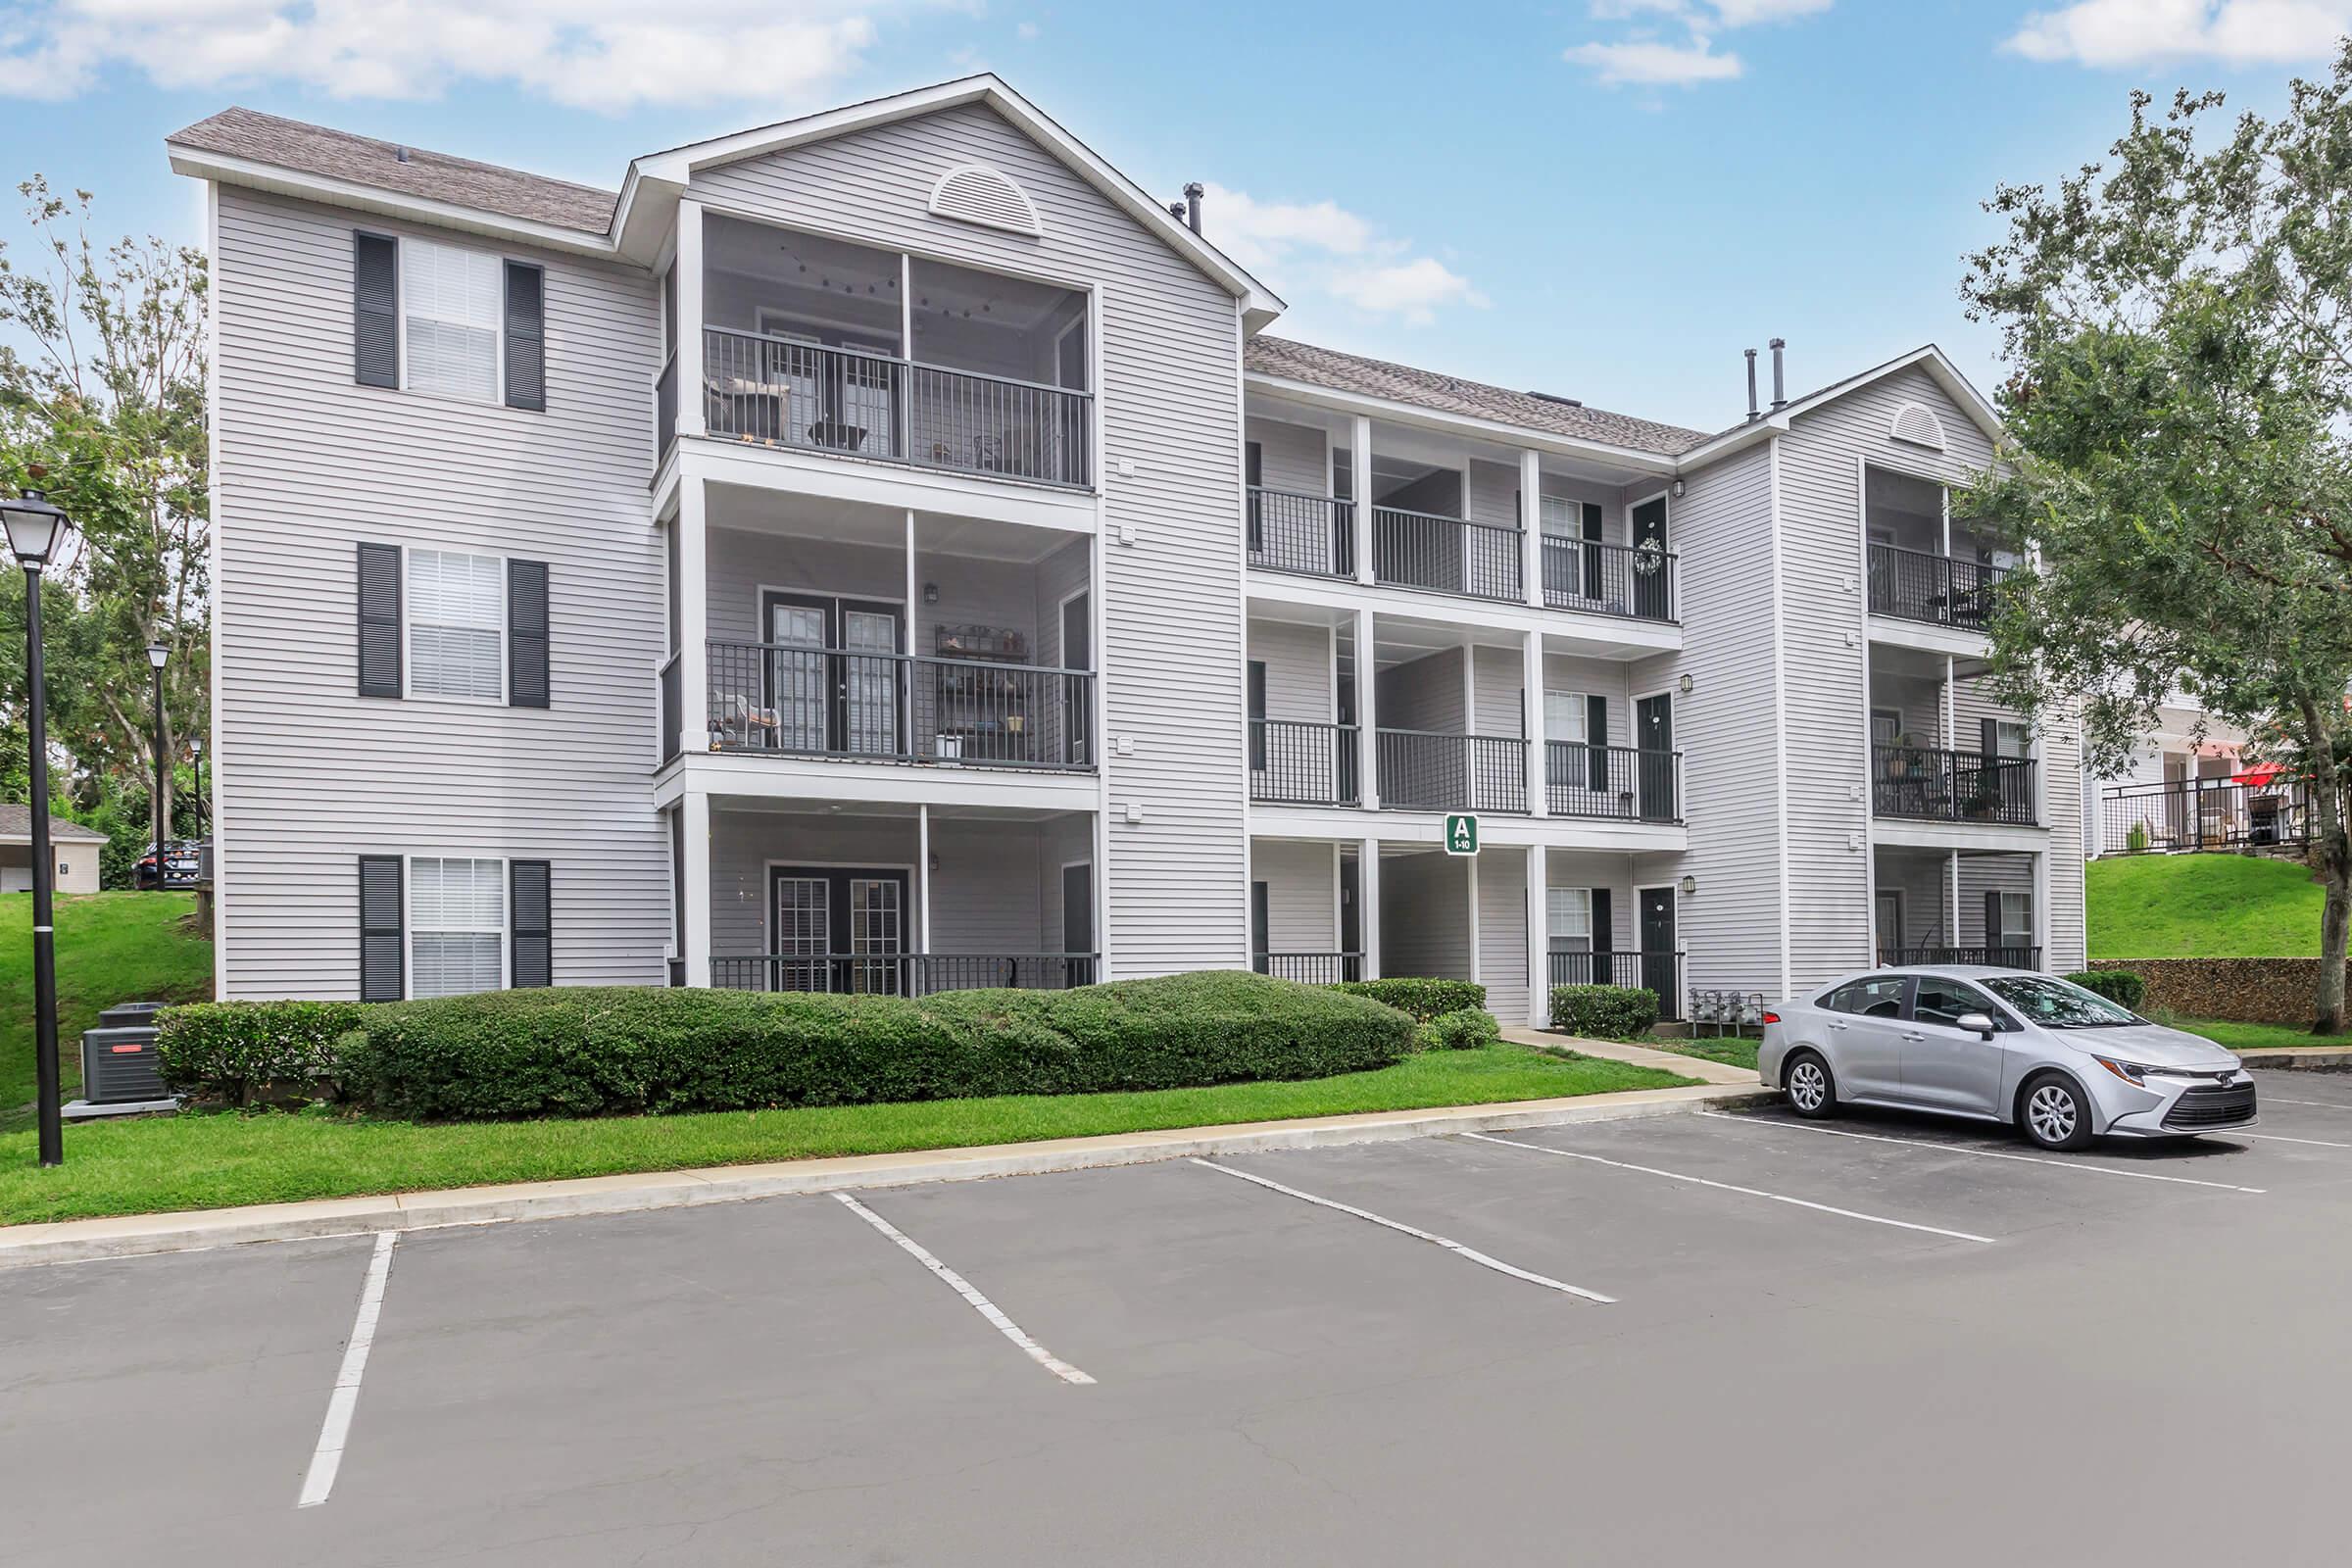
[1917,424]
[975,193]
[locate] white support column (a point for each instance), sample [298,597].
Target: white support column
[694,817]
[914,599]
[1539,936]
[2037,927]
[1951,720]
[1952,867]
[922,878]
[906,306]
[1367,722]
[1470,884]
[1360,453]
[1531,703]
[694,620]
[1367,900]
[689,265]
[1531,521]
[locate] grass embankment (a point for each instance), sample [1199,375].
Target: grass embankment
[2202,906]
[1731,1050]
[111,947]
[212,1161]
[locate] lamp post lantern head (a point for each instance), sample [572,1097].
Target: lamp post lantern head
[158,655]
[35,528]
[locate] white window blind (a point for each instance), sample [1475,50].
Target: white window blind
[1565,716]
[1569,918]
[2011,738]
[457,624]
[457,926]
[451,301]
[2017,919]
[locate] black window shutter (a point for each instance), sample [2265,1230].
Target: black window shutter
[1992,921]
[1594,573]
[1988,737]
[527,336]
[379,621]
[1597,743]
[1604,937]
[1257,715]
[381,960]
[374,310]
[526,633]
[533,961]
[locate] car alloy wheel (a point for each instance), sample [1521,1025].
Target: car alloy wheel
[1809,1087]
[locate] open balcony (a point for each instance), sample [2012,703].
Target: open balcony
[822,346]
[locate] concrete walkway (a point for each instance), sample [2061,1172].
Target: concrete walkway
[1712,1072]
[75,1241]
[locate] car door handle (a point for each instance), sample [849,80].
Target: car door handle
[1835,1024]
[1915,1036]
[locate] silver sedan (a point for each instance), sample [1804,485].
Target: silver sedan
[2031,1050]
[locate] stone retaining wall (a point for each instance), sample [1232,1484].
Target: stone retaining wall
[2243,990]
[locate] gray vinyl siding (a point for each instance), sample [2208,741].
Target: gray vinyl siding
[1613,524]
[1424,694]
[312,776]
[1722,530]
[1292,457]
[1301,895]
[1008,596]
[1493,493]
[1299,673]
[1918,700]
[1594,677]
[1062,841]
[1060,574]
[1424,917]
[1821,543]
[1924,879]
[1170,346]
[1503,932]
[1495,677]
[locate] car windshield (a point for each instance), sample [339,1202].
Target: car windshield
[2057,1004]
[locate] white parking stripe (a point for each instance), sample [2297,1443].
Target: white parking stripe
[1987,1153]
[2324,1104]
[980,1303]
[327,1458]
[1452,1245]
[2273,1138]
[1727,1187]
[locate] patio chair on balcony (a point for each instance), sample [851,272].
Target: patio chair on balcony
[738,720]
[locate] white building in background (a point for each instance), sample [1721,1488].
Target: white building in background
[888,550]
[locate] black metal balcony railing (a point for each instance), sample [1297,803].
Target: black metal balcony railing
[1450,555]
[1302,764]
[1623,782]
[1997,955]
[1289,531]
[2193,814]
[1923,781]
[786,393]
[1310,969]
[1940,590]
[832,701]
[1659,973]
[1421,771]
[903,974]
[1603,579]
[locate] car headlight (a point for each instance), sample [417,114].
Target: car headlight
[2129,1072]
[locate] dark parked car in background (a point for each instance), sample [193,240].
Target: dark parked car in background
[183,861]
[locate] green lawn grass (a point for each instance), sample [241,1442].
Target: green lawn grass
[1730,1050]
[2202,906]
[211,1161]
[111,947]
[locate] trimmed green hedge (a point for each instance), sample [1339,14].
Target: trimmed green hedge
[1424,998]
[1604,1013]
[240,1052]
[586,1052]
[2118,986]
[1463,1029]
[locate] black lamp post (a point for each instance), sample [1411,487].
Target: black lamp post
[158,655]
[35,530]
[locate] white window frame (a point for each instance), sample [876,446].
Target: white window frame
[2002,728]
[408,621]
[2024,938]
[1551,907]
[1580,704]
[407,919]
[498,334]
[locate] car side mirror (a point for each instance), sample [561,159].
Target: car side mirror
[1975,1023]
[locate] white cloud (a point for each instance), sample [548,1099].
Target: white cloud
[1024,30]
[610,55]
[1311,248]
[2138,32]
[1653,64]
[1643,58]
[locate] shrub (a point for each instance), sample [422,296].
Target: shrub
[582,1052]
[1423,998]
[2135,838]
[2120,986]
[1463,1029]
[1604,1013]
[239,1050]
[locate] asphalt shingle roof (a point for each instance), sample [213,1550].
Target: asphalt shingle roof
[1350,372]
[435,176]
[16,822]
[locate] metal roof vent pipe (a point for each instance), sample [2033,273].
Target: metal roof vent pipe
[1779,383]
[1752,414]
[1192,205]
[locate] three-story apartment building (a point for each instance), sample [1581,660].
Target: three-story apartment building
[885,551]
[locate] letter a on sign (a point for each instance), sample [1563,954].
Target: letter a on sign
[1461,834]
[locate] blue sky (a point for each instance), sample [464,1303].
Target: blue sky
[1601,198]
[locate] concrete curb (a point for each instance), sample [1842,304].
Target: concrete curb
[136,1235]
[2309,1057]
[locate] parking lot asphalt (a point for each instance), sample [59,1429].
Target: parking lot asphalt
[1893,1340]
